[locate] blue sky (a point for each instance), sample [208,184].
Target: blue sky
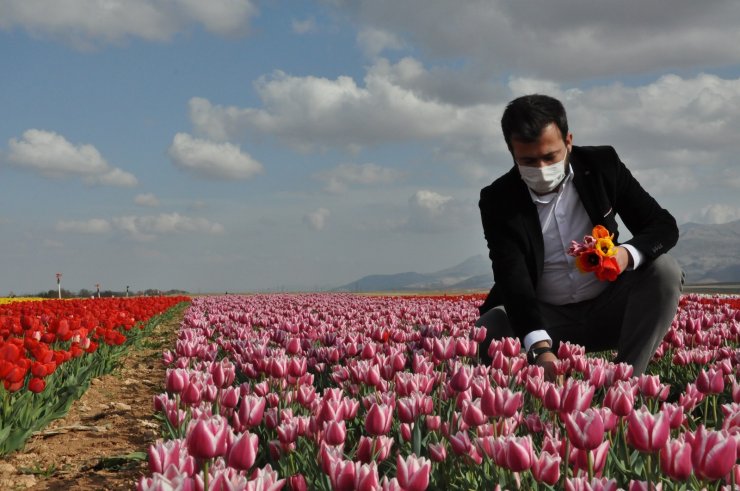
[238,145]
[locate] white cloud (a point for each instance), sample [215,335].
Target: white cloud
[94,226]
[87,23]
[432,212]
[145,227]
[552,39]
[312,112]
[316,220]
[339,178]
[719,213]
[51,155]
[429,202]
[146,199]
[212,159]
[305,26]
[374,41]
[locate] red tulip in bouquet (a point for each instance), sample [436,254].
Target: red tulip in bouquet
[596,254]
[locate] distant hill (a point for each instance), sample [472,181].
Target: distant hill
[707,253]
[464,276]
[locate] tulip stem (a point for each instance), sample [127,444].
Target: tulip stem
[205,474]
[590,456]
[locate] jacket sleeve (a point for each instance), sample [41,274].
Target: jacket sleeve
[513,263]
[654,230]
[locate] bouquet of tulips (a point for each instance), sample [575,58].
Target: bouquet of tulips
[596,254]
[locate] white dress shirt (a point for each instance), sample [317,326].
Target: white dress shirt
[563,218]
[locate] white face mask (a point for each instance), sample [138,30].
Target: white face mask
[543,179]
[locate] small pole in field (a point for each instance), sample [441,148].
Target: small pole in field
[97,288]
[59,284]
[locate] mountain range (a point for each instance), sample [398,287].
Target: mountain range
[707,253]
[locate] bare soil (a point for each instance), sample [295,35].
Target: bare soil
[101,444]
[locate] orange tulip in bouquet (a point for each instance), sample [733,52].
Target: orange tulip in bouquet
[596,254]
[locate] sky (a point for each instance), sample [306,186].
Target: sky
[246,145]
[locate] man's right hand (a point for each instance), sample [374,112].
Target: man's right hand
[547,361]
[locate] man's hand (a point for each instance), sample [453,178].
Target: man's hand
[547,361]
[624,260]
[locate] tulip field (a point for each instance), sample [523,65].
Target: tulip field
[50,350]
[344,392]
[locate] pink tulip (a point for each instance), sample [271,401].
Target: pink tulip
[251,410]
[585,428]
[710,381]
[287,433]
[576,395]
[297,482]
[208,438]
[177,379]
[264,479]
[328,455]
[579,458]
[595,484]
[230,397]
[713,453]
[378,419]
[461,379]
[437,452]
[674,415]
[650,386]
[647,432]
[675,459]
[170,454]
[518,453]
[369,448]
[472,413]
[243,450]
[342,475]
[551,396]
[460,443]
[191,394]
[546,468]
[366,477]
[620,398]
[223,373]
[413,472]
[335,432]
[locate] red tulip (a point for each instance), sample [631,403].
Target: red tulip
[297,482]
[36,385]
[413,472]
[647,432]
[585,428]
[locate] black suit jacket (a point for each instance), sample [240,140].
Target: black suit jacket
[514,235]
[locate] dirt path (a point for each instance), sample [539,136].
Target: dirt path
[101,443]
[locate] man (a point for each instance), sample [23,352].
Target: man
[556,193]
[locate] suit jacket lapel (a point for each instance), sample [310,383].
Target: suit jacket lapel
[529,218]
[581,180]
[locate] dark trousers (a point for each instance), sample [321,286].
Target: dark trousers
[632,315]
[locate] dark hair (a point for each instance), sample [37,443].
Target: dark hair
[525,117]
